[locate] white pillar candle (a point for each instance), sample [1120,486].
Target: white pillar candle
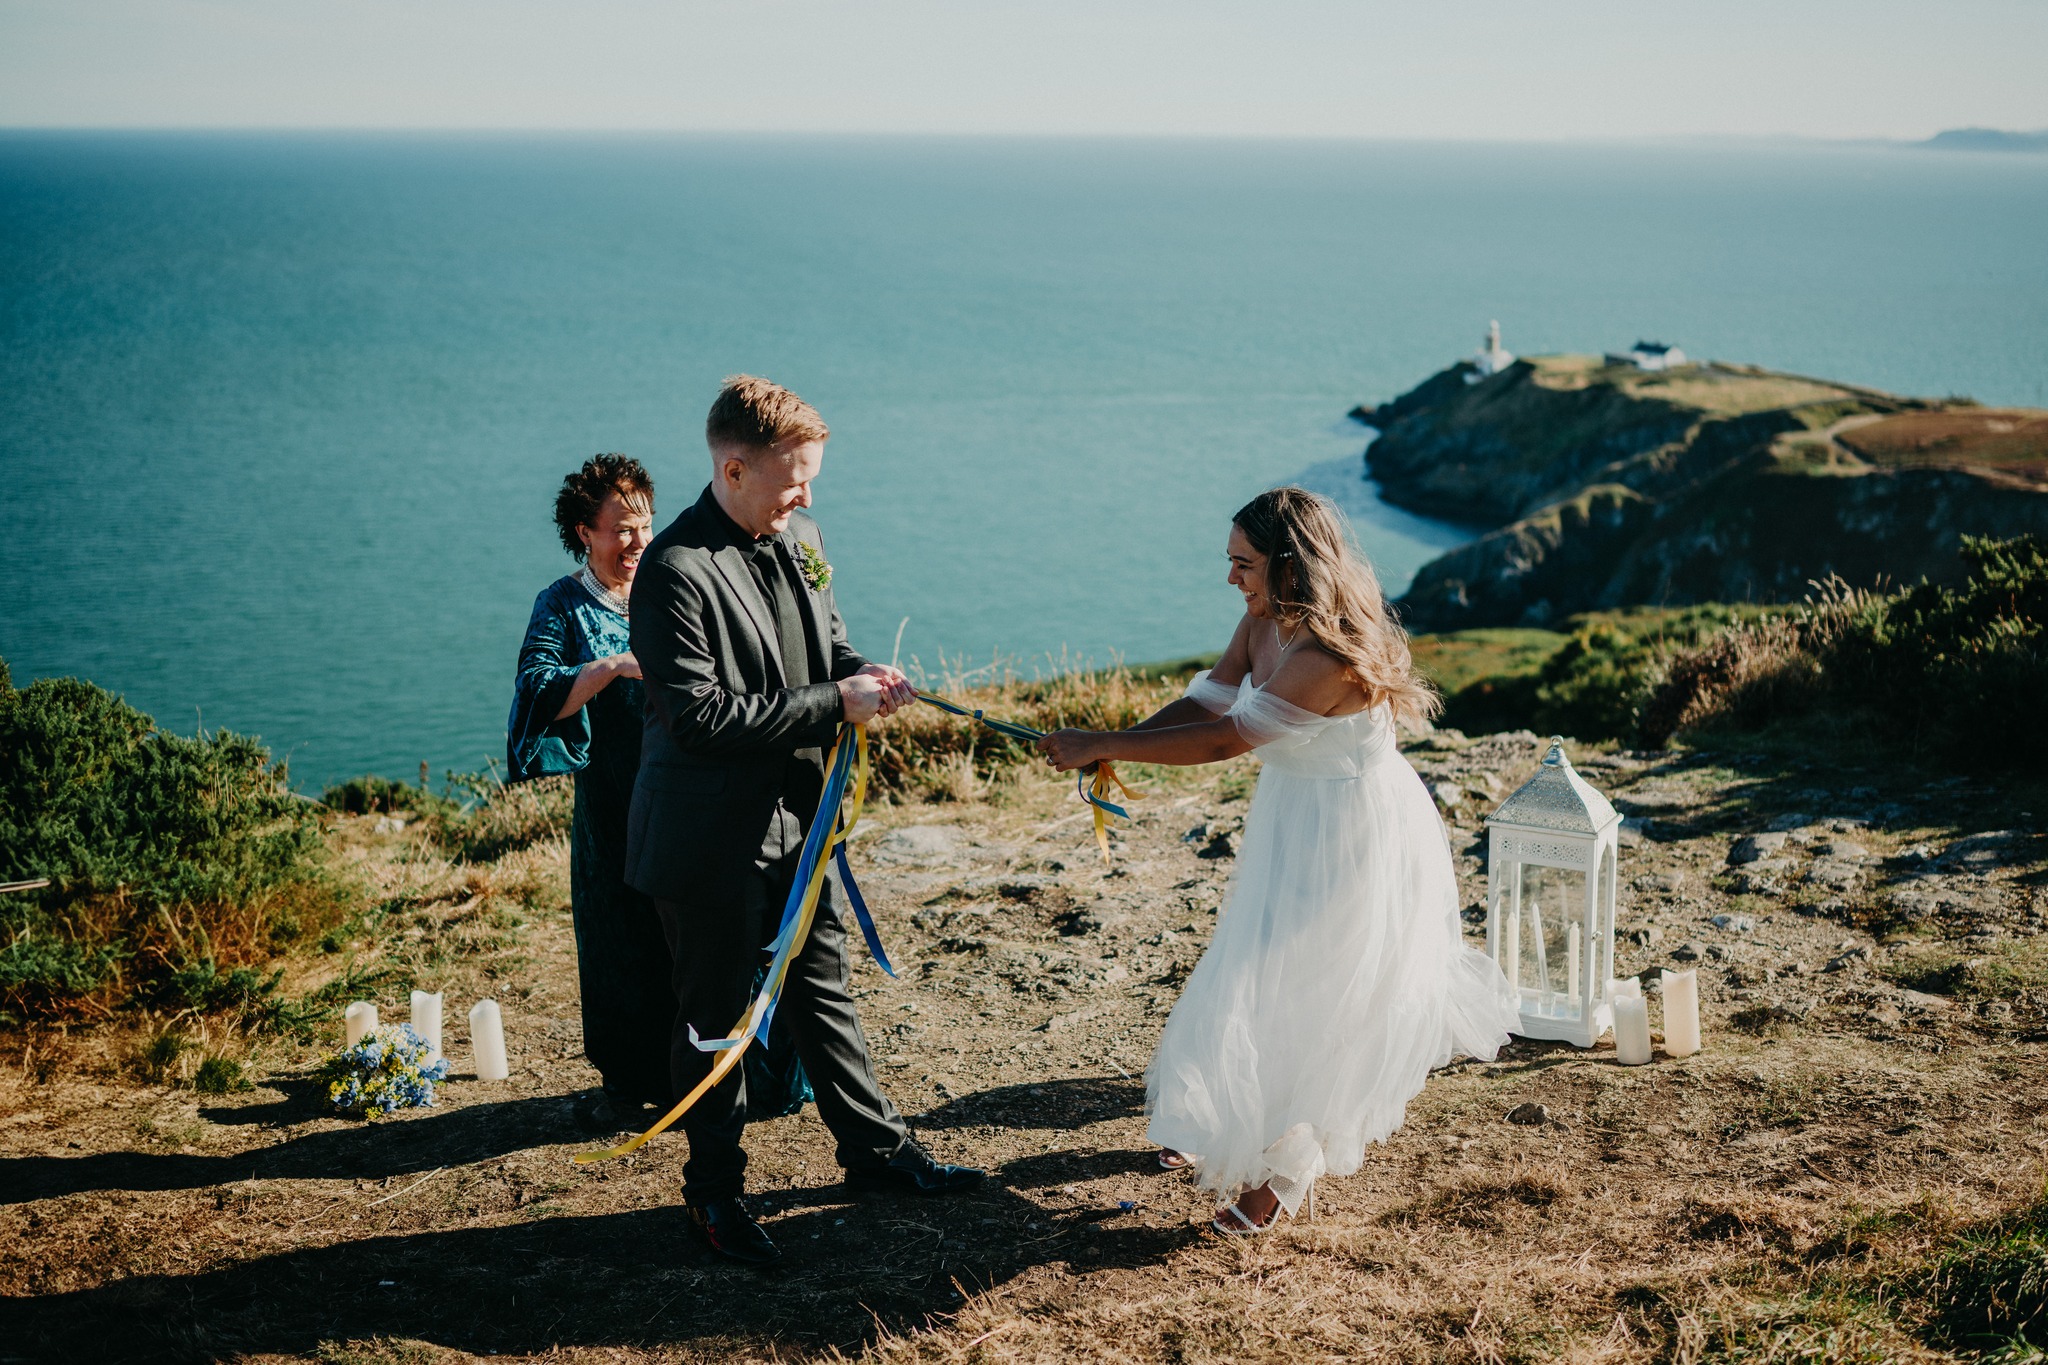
[1631,1030]
[1511,946]
[1681,1013]
[426,1019]
[487,1041]
[360,1019]
[1571,970]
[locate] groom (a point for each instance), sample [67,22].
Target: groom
[748,675]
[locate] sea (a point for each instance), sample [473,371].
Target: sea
[282,416]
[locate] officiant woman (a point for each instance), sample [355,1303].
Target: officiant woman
[577,708]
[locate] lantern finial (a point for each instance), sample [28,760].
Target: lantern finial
[1556,798]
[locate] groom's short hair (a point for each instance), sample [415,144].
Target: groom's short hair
[753,414]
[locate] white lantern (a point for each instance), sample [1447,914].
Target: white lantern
[1550,901]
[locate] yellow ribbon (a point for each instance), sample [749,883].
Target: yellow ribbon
[1105,774]
[845,817]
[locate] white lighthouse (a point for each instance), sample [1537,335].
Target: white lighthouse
[1491,359]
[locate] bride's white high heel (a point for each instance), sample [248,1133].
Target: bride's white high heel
[1245,1227]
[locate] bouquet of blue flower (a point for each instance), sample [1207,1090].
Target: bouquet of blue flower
[386,1070]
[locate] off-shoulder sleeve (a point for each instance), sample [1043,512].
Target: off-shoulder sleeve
[1270,723]
[536,743]
[1211,695]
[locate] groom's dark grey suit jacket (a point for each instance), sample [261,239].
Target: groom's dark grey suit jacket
[732,758]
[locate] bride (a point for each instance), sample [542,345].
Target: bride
[1337,977]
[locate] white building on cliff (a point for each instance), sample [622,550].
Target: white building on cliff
[1648,355]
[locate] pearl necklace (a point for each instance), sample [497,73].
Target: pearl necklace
[605,596]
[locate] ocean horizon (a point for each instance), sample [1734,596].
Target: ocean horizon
[281,414]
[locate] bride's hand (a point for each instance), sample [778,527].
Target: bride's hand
[1067,750]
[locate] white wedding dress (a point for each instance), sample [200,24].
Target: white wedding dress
[1337,978]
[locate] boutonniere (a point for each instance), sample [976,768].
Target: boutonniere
[817,570]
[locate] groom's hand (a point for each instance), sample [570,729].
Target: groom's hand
[862,697]
[896,684]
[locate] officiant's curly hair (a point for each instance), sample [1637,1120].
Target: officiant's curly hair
[583,493]
[752,413]
[1316,579]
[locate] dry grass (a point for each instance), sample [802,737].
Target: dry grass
[1755,670]
[928,754]
[2012,439]
[1713,389]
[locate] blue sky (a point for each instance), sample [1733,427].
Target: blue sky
[1343,68]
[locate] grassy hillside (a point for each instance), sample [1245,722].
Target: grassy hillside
[1513,442]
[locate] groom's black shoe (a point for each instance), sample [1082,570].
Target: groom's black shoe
[913,1171]
[727,1227]
[611,1111]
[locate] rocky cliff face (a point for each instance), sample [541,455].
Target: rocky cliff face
[1706,483]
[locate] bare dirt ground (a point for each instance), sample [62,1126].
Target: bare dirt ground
[1876,1027]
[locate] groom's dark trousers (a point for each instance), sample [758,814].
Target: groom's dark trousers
[738,653]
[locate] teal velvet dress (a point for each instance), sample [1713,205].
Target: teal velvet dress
[622,959]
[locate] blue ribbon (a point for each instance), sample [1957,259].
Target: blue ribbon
[860,912]
[785,934]
[1001,727]
[1081,785]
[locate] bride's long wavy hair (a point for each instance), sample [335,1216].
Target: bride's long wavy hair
[1315,580]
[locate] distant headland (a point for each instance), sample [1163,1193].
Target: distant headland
[1632,479]
[1986,140]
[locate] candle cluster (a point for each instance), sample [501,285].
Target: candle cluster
[1632,1017]
[486,1032]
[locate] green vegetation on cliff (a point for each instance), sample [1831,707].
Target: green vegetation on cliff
[173,863]
[1589,679]
[1508,445]
[1949,672]
[1958,672]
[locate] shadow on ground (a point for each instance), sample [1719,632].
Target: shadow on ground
[1052,1104]
[855,1265]
[366,1151]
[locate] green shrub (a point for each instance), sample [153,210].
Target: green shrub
[220,1076]
[169,858]
[476,819]
[1957,671]
[497,819]
[1594,685]
[36,969]
[203,986]
[159,1057]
